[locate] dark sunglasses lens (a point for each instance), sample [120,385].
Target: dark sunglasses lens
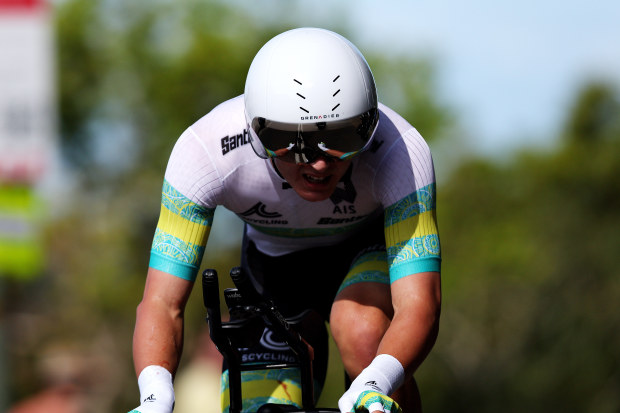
[304,143]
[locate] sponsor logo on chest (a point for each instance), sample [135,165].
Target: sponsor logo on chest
[264,215]
[230,143]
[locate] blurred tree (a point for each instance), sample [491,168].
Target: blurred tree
[595,114]
[408,86]
[134,75]
[530,275]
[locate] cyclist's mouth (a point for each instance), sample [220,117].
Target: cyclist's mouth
[316,180]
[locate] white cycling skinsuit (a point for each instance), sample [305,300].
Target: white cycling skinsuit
[213,164]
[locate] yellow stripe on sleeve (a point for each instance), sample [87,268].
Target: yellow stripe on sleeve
[411,234]
[414,227]
[187,231]
[181,235]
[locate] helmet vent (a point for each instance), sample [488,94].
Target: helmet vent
[301,96]
[336,92]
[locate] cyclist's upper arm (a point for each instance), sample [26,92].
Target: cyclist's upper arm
[165,289]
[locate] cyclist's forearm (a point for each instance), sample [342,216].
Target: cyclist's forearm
[158,337]
[410,338]
[415,325]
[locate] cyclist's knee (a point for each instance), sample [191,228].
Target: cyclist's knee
[362,311]
[357,331]
[357,327]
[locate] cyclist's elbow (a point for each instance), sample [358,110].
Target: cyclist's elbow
[156,308]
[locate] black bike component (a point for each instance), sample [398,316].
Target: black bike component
[250,312]
[211,299]
[280,325]
[246,325]
[233,299]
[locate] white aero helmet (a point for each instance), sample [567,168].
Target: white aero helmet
[309,93]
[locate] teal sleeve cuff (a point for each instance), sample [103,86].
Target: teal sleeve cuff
[176,268]
[404,269]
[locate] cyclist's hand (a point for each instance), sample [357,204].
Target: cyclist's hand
[369,391]
[156,391]
[367,400]
[372,401]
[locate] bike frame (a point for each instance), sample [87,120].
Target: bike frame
[224,335]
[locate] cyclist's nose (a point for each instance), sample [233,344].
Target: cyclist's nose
[321,164]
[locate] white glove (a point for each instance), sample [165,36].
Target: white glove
[382,377]
[156,391]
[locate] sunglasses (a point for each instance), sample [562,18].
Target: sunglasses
[306,142]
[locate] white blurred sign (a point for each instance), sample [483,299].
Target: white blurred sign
[27,90]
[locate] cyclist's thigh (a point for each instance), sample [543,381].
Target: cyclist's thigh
[362,311]
[365,290]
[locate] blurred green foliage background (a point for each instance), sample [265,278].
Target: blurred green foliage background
[530,241]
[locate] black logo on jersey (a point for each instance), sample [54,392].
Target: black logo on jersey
[259,209]
[348,193]
[375,145]
[230,143]
[344,209]
[338,221]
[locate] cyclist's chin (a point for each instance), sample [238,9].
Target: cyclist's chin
[314,191]
[314,195]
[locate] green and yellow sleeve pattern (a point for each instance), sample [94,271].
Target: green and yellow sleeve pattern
[411,235]
[181,234]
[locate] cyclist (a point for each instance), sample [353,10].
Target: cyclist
[337,192]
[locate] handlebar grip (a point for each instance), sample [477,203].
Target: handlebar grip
[210,287]
[245,287]
[211,294]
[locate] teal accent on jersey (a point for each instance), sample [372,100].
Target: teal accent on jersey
[281,375]
[413,267]
[419,247]
[310,232]
[368,267]
[182,206]
[368,257]
[251,402]
[172,255]
[422,200]
[422,252]
[365,277]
